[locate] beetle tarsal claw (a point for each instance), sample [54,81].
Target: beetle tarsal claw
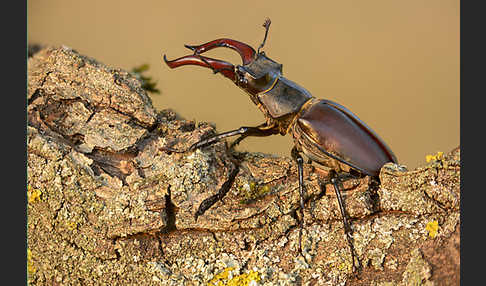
[171,150]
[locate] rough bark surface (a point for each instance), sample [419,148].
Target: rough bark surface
[107,207]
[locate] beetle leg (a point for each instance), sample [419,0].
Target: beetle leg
[225,68]
[300,168]
[244,131]
[209,202]
[246,52]
[335,180]
[260,131]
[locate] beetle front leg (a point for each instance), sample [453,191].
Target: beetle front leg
[244,131]
[261,130]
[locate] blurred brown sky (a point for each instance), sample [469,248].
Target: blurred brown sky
[394,63]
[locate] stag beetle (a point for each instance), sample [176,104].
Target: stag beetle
[324,131]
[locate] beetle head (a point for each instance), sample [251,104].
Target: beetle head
[257,74]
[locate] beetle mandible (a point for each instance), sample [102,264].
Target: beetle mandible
[324,131]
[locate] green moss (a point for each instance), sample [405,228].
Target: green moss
[252,191]
[147,82]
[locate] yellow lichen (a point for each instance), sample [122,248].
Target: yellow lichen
[432,227]
[439,156]
[30,267]
[263,190]
[220,276]
[71,225]
[342,266]
[33,194]
[245,279]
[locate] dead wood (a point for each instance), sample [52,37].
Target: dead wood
[107,206]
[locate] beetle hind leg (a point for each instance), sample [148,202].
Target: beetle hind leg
[336,181]
[300,169]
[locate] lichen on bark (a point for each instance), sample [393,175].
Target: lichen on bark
[108,206]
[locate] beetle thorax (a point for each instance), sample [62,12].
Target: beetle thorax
[277,97]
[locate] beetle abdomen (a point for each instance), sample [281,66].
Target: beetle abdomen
[326,129]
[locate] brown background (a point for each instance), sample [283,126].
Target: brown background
[393,63]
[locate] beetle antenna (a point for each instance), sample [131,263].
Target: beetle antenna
[266,25]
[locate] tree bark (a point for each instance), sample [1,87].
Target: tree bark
[107,206]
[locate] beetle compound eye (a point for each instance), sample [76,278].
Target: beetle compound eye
[243,83]
[241,80]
